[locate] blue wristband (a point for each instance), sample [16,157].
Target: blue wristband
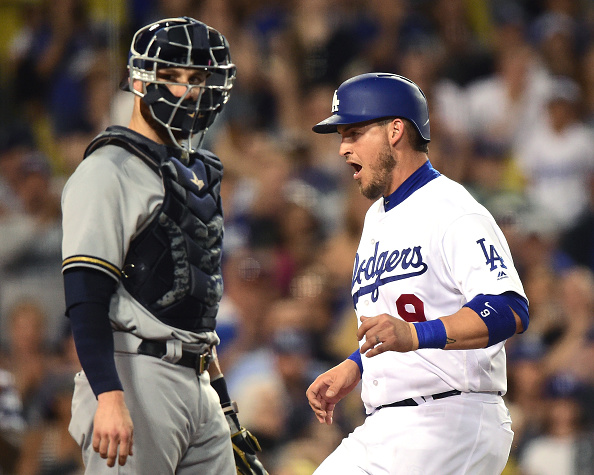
[431,334]
[356,357]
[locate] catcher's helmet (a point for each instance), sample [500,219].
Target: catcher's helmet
[181,43]
[376,96]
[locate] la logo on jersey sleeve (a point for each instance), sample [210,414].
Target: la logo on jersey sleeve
[493,259]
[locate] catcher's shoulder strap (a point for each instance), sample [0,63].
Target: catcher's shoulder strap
[150,152]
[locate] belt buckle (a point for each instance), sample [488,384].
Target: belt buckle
[203,362]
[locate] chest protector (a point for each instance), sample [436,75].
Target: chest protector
[173,267]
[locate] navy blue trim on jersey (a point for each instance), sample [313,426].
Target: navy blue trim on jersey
[423,175]
[356,357]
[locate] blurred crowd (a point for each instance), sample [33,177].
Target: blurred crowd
[510,85]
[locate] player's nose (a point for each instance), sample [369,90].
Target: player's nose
[344,150]
[178,90]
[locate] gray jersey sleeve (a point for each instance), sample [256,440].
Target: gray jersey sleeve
[105,203]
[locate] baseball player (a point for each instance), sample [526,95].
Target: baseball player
[433,272]
[143,227]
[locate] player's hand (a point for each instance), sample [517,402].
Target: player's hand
[330,387]
[113,429]
[386,333]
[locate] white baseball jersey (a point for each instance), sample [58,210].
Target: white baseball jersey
[127,194]
[422,259]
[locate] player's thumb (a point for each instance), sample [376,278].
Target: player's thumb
[334,388]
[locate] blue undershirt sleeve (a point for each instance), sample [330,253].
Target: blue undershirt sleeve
[88,293]
[356,357]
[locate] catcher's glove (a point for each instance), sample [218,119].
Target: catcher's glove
[245,444]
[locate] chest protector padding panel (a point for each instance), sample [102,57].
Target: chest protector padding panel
[173,267]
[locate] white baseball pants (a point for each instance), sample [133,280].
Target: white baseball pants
[466,434]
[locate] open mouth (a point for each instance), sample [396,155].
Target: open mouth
[357,169]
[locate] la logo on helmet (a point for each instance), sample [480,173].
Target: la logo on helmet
[335,102]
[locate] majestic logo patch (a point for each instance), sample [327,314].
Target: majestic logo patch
[400,265]
[335,102]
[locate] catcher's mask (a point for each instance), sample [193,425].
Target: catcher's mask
[377,96]
[181,43]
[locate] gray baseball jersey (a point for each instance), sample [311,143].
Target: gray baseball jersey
[179,425]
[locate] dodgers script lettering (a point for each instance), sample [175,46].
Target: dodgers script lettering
[384,267]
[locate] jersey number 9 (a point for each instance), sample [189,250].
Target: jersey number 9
[411,308]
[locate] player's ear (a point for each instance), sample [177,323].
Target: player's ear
[137,85]
[396,130]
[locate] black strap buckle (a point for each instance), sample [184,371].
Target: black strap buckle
[198,362]
[203,362]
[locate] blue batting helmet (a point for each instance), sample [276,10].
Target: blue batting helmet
[376,96]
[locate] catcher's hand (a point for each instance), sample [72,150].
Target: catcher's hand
[245,445]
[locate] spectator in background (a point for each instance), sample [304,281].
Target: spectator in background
[53,53]
[489,181]
[48,448]
[26,355]
[450,145]
[467,58]
[504,106]
[559,33]
[524,398]
[576,244]
[16,142]
[30,248]
[336,256]
[542,284]
[12,423]
[321,41]
[557,158]
[250,288]
[587,80]
[566,446]
[571,352]
[388,30]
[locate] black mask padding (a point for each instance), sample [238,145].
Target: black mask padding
[168,110]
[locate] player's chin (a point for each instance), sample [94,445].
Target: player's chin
[370,192]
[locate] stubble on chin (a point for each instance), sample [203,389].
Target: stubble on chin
[381,176]
[157,127]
